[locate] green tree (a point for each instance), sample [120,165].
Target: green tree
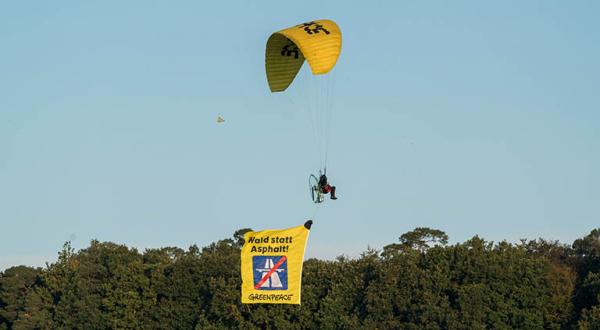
[16,283]
[421,239]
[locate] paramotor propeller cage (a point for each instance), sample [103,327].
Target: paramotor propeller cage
[315,191]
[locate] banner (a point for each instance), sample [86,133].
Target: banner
[272,265]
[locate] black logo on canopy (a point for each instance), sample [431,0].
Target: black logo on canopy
[313,28]
[290,49]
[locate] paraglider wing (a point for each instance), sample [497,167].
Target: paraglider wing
[320,42]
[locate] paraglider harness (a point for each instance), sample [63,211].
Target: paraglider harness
[319,187]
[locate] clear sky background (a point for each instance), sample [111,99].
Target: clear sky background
[476,118]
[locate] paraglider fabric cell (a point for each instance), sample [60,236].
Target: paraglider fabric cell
[319,42]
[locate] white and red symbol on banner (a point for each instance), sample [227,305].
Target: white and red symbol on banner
[270,272]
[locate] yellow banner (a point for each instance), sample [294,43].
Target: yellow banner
[272,265]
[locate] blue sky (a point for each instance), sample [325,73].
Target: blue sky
[474,118]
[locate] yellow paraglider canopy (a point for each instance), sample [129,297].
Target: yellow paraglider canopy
[320,42]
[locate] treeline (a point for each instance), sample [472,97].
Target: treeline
[420,282]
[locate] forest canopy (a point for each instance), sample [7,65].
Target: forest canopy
[420,282]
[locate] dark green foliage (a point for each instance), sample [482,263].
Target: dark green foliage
[20,305]
[418,283]
[586,256]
